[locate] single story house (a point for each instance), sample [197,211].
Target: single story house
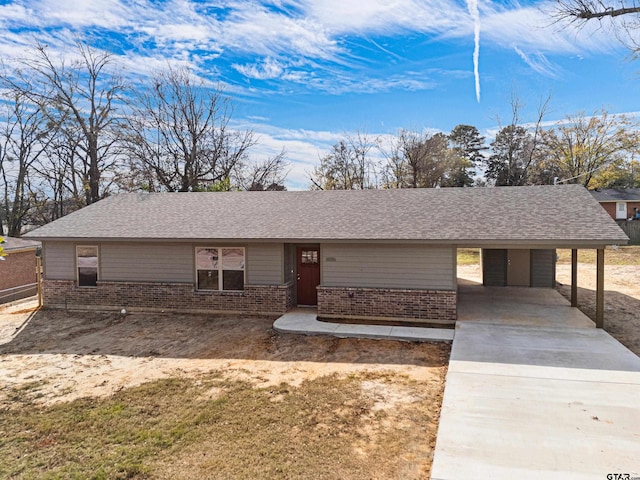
[18,278]
[620,203]
[372,254]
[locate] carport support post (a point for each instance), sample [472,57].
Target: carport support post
[574,277]
[600,288]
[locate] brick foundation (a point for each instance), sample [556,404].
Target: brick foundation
[391,304]
[258,299]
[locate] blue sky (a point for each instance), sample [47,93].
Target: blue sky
[303,73]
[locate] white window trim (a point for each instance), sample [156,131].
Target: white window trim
[220,269]
[97,247]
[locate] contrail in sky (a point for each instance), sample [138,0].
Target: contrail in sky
[472,5]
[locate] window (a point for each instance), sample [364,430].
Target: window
[87,266]
[220,268]
[309,256]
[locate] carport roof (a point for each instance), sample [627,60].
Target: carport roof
[560,215]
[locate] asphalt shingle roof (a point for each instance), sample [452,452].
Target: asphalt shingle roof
[448,215]
[617,194]
[12,243]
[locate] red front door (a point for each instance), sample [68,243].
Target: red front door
[308,275]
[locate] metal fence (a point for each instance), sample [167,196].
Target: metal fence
[16,293]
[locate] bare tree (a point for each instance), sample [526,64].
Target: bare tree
[348,166]
[179,136]
[517,148]
[79,98]
[267,175]
[621,17]
[59,178]
[427,157]
[424,160]
[583,10]
[395,172]
[24,136]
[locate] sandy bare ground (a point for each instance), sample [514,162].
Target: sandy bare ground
[53,356]
[622,296]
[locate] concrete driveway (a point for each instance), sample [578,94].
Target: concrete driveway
[537,397]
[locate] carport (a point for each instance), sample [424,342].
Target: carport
[506,269]
[518,236]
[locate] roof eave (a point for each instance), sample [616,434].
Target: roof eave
[465,243]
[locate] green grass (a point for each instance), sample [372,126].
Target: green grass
[619,256]
[468,256]
[172,429]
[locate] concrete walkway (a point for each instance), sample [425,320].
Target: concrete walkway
[305,321]
[541,399]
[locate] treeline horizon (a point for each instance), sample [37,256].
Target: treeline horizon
[74,130]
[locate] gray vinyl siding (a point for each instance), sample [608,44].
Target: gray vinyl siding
[265,263]
[543,268]
[59,260]
[158,262]
[147,262]
[388,266]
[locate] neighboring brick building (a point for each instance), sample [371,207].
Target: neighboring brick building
[18,269]
[623,204]
[620,203]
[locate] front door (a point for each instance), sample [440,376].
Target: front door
[308,275]
[621,210]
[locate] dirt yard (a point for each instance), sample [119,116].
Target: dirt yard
[51,358]
[621,298]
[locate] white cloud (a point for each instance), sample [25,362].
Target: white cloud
[297,41]
[345,17]
[538,63]
[15,12]
[79,13]
[265,70]
[255,29]
[531,28]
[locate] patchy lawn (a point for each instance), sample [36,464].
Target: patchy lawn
[93,395]
[612,256]
[468,256]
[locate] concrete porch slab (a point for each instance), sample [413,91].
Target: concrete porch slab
[305,322]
